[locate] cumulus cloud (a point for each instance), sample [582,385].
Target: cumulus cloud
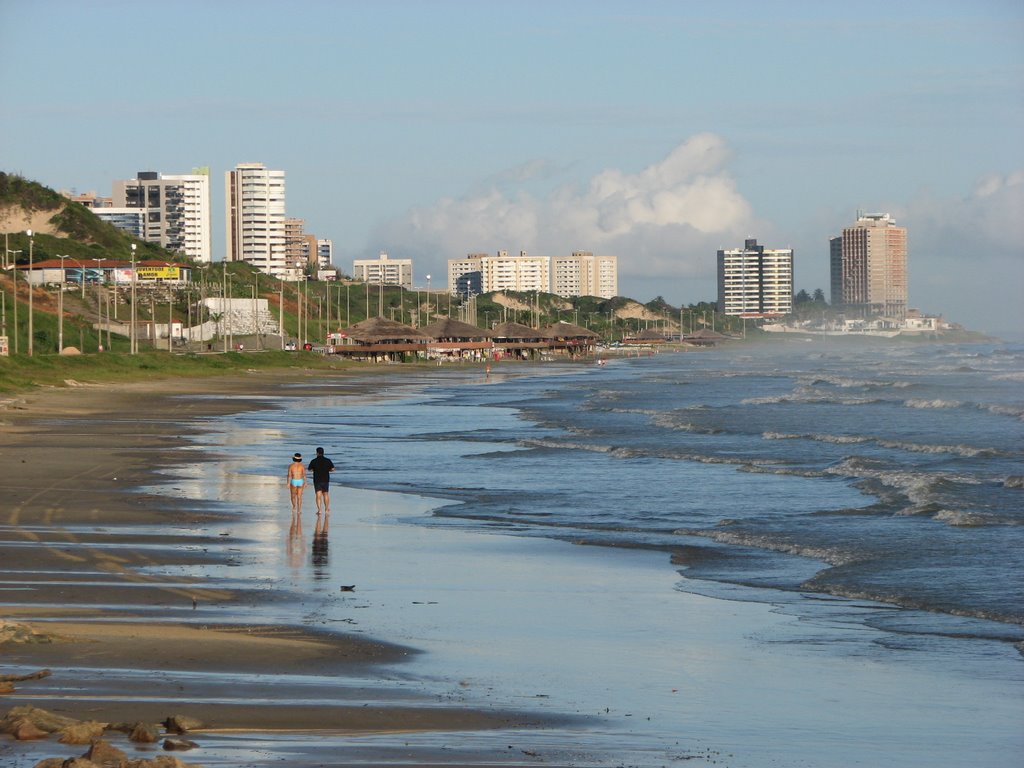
[662,221]
[965,256]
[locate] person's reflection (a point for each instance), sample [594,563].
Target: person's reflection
[320,552]
[296,546]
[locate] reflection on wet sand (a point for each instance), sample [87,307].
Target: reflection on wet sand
[320,551]
[295,546]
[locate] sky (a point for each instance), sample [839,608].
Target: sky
[658,132]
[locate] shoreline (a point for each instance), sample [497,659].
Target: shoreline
[553,645]
[79,532]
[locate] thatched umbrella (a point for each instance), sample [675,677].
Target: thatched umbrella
[649,334]
[447,329]
[380,330]
[517,332]
[563,330]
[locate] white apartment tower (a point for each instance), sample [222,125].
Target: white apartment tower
[754,281]
[501,272]
[324,253]
[584,274]
[175,210]
[255,218]
[384,271]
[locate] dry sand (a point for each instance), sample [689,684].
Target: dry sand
[70,461]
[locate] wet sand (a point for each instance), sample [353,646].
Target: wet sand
[76,539]
[458,647]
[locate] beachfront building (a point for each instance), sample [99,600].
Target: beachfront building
[754,281]
[255,218]
[175,210]
[300,249]
[324,253]
[584,274]
[835,270]
[89,199]
[500,273]
[384,271]
[872,268]
[131,220]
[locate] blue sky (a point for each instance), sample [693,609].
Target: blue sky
[656,131]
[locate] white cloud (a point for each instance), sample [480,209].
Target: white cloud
[663,221]
[966,256]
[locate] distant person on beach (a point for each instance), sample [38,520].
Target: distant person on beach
[296,479]
[321,467]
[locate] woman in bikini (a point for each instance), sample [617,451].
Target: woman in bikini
[296,479]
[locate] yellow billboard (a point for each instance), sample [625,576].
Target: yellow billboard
[158,273]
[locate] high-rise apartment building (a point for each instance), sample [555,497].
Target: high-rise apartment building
[835,270]
[501,272]
[584,274]
[131,220]
[176,210]
[255,218]
[873,267]
[324,253]
[384,271]
[754,281]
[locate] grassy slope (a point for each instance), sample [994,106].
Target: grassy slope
[20,373]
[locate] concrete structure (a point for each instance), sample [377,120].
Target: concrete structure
[90,199]
[500,272]
[584,274]
[176,210]
[874,267]
[324,254]
[131,220]
[835,270]
[255,218]
[755,281]
[384,271]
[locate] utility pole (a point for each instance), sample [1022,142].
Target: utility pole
[30,330]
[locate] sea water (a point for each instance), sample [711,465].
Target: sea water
[894,474]
[870,496]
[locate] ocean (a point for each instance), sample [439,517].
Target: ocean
[872,494]
[891,473]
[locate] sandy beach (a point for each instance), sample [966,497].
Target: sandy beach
[149,562]
[77,535]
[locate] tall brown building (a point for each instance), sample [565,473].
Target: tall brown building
[871,259]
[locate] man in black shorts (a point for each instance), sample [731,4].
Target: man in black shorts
[321,467]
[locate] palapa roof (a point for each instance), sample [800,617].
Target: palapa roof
[374,330]
[706,333]
[564,330]
[516,331]
[446,328]
[649,334]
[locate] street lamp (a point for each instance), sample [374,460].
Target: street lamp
[170,310]
[133,345]
[60,306]
[428,299]
[14,298]
[31,241]
[100,301]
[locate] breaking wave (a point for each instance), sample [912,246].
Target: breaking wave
[932,403]
[966,451]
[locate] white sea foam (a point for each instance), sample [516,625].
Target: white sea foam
[830,555]
[844,382]
[1005,410]
[967,451]
[937,403]
[821,438]
[964,519]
